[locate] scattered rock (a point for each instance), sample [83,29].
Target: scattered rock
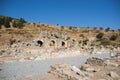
[70,72]
[78,71]
[101,79]
[95,61]
[113,74]
[89,68]
[108,63]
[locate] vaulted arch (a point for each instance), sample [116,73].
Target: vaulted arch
[40,43]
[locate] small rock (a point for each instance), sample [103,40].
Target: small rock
[111,64]
[2,62]
[113,74]
[1,53]
[75,78]
[101,79]
[78,71]
[89,68]
[22,60]
[37,58]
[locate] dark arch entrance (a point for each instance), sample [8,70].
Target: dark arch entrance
[63,44]
[52,43]
[40,43]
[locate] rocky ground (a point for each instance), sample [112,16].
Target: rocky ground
[27,61]
[84,68]
[94,69]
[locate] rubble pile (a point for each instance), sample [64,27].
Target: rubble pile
[94,69]
[68,72]
[95,61]
[53,45]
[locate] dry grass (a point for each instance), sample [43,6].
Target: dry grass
[31,31]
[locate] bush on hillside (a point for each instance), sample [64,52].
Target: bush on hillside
[113,37]
[70,27]
[17,23]
[62,27]
[107,29]
[101,28]
[100,35]
[105,42]
[85,42]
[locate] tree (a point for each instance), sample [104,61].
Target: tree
[20,25]
[57,24]
[100,35]
[1,21]
[14,24]
[119,30]
[22,20]
[107,29]
[62,27]
[70,27]
[7,22]
[101,28]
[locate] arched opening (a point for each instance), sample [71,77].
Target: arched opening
[52,43]
[63,44]
[40,43]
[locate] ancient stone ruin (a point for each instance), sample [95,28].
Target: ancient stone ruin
[94,69]
[53,44]
[55,40]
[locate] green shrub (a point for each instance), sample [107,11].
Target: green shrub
[85,42]
[107,29]
[113,37]
[62,27]
[81,35]
[70,27]
[18,23]
[101,28]
[105,42]
[100,35]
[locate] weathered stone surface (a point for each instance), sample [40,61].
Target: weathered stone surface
[113,74]
[2,62]
[78,71]
[95,61]
[70,72]
[101,79]
[89,68]
[1,53]
[108,63]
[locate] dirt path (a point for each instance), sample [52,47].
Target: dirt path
[14,70]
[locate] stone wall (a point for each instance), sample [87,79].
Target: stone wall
[56,40]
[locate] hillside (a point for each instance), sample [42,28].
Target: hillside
[30,31]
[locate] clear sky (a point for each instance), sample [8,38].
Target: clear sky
[83,13]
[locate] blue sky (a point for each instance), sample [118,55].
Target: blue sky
[83,13]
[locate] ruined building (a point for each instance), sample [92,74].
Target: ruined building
[55,39]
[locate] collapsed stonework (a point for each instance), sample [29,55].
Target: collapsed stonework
[53,44]
[56,40]
[94,69]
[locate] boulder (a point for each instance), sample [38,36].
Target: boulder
[95,61]
[113,74]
